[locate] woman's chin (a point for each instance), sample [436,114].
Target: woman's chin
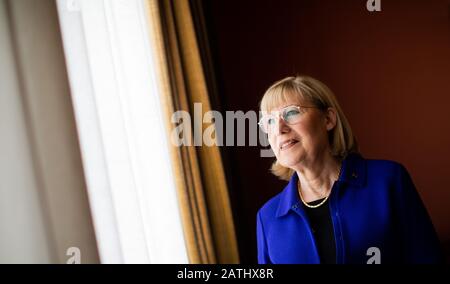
[289,163]
[291,159]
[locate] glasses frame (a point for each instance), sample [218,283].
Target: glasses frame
[279,116]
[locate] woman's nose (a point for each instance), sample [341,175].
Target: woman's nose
[281,126]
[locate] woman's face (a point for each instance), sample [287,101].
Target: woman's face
[304,141]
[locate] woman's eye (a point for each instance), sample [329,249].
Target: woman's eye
[291,113]
[270,121]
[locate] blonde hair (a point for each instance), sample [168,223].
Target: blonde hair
[341,137]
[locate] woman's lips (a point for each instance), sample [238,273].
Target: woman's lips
[288,144]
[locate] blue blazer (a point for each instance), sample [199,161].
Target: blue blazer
[375,210]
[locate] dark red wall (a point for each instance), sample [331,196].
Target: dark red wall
[390,71]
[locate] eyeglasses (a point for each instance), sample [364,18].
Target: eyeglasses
[290,114]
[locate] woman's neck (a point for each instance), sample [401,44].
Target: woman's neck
[317,177]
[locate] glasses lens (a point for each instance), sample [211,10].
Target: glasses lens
[291,115]
[267,123]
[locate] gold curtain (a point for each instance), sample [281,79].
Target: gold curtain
[200,179]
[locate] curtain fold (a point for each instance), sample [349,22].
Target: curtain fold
[199,175]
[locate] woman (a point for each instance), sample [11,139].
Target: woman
[337,207]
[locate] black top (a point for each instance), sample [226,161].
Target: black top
[322,228]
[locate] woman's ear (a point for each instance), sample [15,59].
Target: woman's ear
[331,118]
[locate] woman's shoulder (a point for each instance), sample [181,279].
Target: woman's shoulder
[280,203]
[270,207]
[383,171]
[385,166]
